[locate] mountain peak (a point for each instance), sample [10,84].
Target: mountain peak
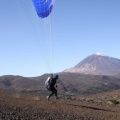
[97,64]
[98,53]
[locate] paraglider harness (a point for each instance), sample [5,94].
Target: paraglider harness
[47,83]
[50,82]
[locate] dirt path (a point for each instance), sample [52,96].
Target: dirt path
[17,106]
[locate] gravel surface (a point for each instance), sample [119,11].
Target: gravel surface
[25,106]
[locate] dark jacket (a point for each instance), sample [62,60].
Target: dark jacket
[53,82]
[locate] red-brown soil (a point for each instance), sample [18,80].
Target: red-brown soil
[26,106]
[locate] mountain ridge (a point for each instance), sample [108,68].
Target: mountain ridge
[68,84]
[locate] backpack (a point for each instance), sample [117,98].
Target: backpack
[47,83]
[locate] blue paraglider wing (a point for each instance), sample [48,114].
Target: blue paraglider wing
[43,7]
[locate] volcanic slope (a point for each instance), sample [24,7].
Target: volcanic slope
[97,64]
[26,106]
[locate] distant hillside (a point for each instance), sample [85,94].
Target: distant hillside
[69,83]
[97,64]
[20,83]
[76,83]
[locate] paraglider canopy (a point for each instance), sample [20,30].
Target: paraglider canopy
[43,7]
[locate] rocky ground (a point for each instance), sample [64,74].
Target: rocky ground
[26,106]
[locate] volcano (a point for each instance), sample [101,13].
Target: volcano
[97,64]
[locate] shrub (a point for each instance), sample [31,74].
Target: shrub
[114,101]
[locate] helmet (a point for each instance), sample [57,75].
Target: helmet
[56,76]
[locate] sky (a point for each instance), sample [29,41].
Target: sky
[31,46]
